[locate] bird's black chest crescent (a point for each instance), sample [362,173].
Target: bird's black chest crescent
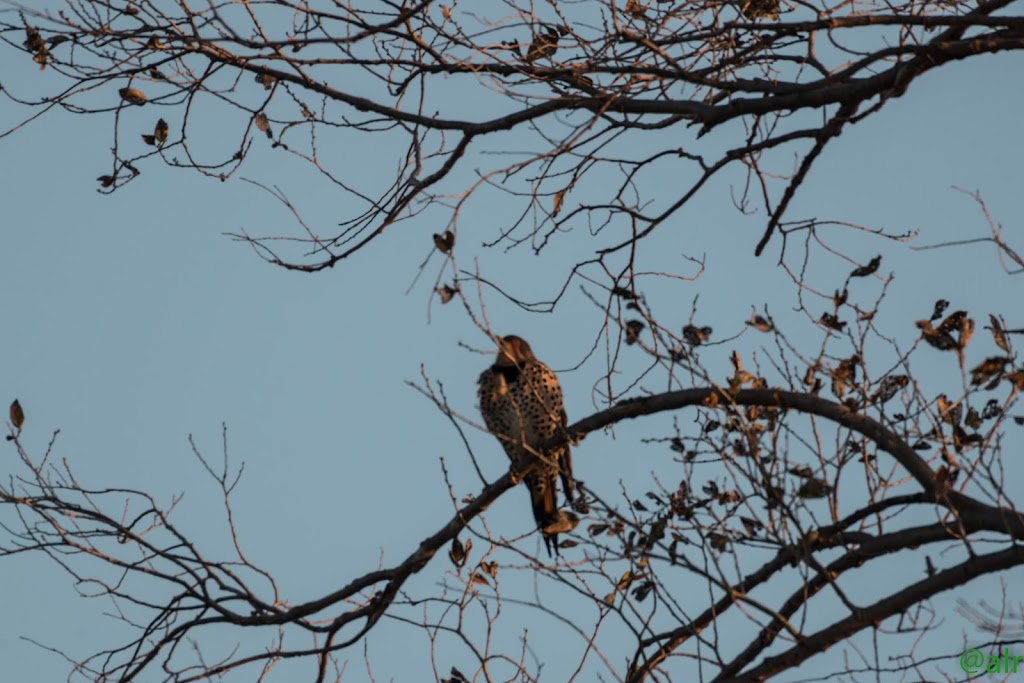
[526,385]
[512,374]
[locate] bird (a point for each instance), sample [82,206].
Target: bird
[759,9]
[544,44]
[521,403]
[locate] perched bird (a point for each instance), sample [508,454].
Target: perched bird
[521,403]
[544,44]
[759,9]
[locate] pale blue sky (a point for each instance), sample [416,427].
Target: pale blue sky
[131,322]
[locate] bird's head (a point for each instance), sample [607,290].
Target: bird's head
[513,351]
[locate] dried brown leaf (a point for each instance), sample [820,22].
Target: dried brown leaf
[17,414]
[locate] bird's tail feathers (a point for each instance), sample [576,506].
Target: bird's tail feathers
[543,492]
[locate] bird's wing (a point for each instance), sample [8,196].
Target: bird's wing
[499,413]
